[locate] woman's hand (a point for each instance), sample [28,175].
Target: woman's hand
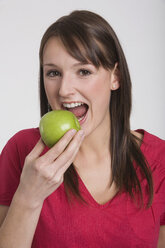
[42,175]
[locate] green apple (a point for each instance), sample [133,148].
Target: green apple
[54,124]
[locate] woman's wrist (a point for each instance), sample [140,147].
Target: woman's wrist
[20,223]
[22,199]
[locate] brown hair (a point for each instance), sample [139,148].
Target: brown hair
[88,37]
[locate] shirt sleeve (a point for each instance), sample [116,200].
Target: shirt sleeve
[162,183]
[162,219]
[10,171]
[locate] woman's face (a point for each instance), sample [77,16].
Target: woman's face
[68,81]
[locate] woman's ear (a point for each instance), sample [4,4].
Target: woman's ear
[115,78]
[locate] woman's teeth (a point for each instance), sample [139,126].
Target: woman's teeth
[72,105]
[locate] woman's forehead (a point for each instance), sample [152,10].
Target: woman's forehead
[55,46]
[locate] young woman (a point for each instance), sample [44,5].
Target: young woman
[103,186]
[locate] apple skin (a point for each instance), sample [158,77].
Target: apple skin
[54,124]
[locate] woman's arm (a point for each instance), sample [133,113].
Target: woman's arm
[18,227]
[3,213]
[161,241]
[40,177]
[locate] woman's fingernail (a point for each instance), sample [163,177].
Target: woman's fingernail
[72,131]
[81,133]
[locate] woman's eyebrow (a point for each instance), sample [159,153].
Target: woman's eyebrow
[80,64]
[50,64]
[74,65]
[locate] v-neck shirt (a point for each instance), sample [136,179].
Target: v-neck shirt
[117,223]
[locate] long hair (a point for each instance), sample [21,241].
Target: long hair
[88,37]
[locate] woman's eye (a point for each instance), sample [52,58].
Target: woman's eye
[84,72]
[53,73]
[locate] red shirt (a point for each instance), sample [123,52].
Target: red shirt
[117,223]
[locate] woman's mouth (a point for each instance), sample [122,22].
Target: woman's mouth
[79,109]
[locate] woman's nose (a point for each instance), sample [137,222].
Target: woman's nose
[66,86]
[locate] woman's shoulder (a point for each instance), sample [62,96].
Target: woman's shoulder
[23,140]
[15,151]
[152,146]
[26,135]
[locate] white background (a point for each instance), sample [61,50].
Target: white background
[140,26]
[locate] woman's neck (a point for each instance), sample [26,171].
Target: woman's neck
[96,145]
